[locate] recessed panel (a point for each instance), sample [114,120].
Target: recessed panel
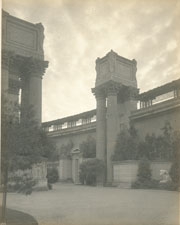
[21,36]
[124,71]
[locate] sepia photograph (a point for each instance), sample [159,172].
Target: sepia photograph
[90,112]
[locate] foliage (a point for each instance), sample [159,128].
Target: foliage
[126,145]
[144,171]
[144,176]
[175,172]
[154,184]
[89,170]
[22,183]
[24,143]
[65,150]
[147,184]
[170,185]
[52,175]
[88,148]
[157,147]
[162,147]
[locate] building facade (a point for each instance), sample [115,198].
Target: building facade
[118,104]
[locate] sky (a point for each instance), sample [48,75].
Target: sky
[79,31]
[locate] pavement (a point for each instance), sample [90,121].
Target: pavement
[69,204]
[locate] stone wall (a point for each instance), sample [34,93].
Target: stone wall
[76,138]
[126,171]
[153,119]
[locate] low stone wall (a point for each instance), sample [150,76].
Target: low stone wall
[126,171]
[38,173]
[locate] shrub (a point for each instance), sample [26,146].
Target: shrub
[170,185]
[126,145]
[89,170]
[175,172]
[22,184]
[146,184]
[144,171]
[154,184]
[52,175]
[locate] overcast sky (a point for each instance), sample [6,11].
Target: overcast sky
[79,31]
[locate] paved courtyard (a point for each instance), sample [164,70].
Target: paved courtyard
[68,204]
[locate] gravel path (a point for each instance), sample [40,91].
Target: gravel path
[69,204]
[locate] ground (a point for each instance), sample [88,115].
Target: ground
[14,217]
[69,204]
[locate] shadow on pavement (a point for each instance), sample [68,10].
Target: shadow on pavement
[14,217]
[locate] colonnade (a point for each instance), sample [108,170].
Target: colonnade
[23,73]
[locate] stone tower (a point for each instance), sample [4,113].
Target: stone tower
[115,91]
[23,63]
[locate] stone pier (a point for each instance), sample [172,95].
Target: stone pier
[23,63]
[115,84]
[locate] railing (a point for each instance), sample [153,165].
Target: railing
[146,100]
[158,99]
[70,124]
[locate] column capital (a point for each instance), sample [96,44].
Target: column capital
[99,93]
[29,66]
[128,93]
[112,88]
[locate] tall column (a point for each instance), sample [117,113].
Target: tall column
[101,130]
[112,129]
[5,72]
[32,73]
[4,91]
[35,96]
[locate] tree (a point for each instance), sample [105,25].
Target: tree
[126,145]
[147,147]
[144,171]
[90,169]
[175,167]
[24,143]
[65,150]
[158,147]
[88,148]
